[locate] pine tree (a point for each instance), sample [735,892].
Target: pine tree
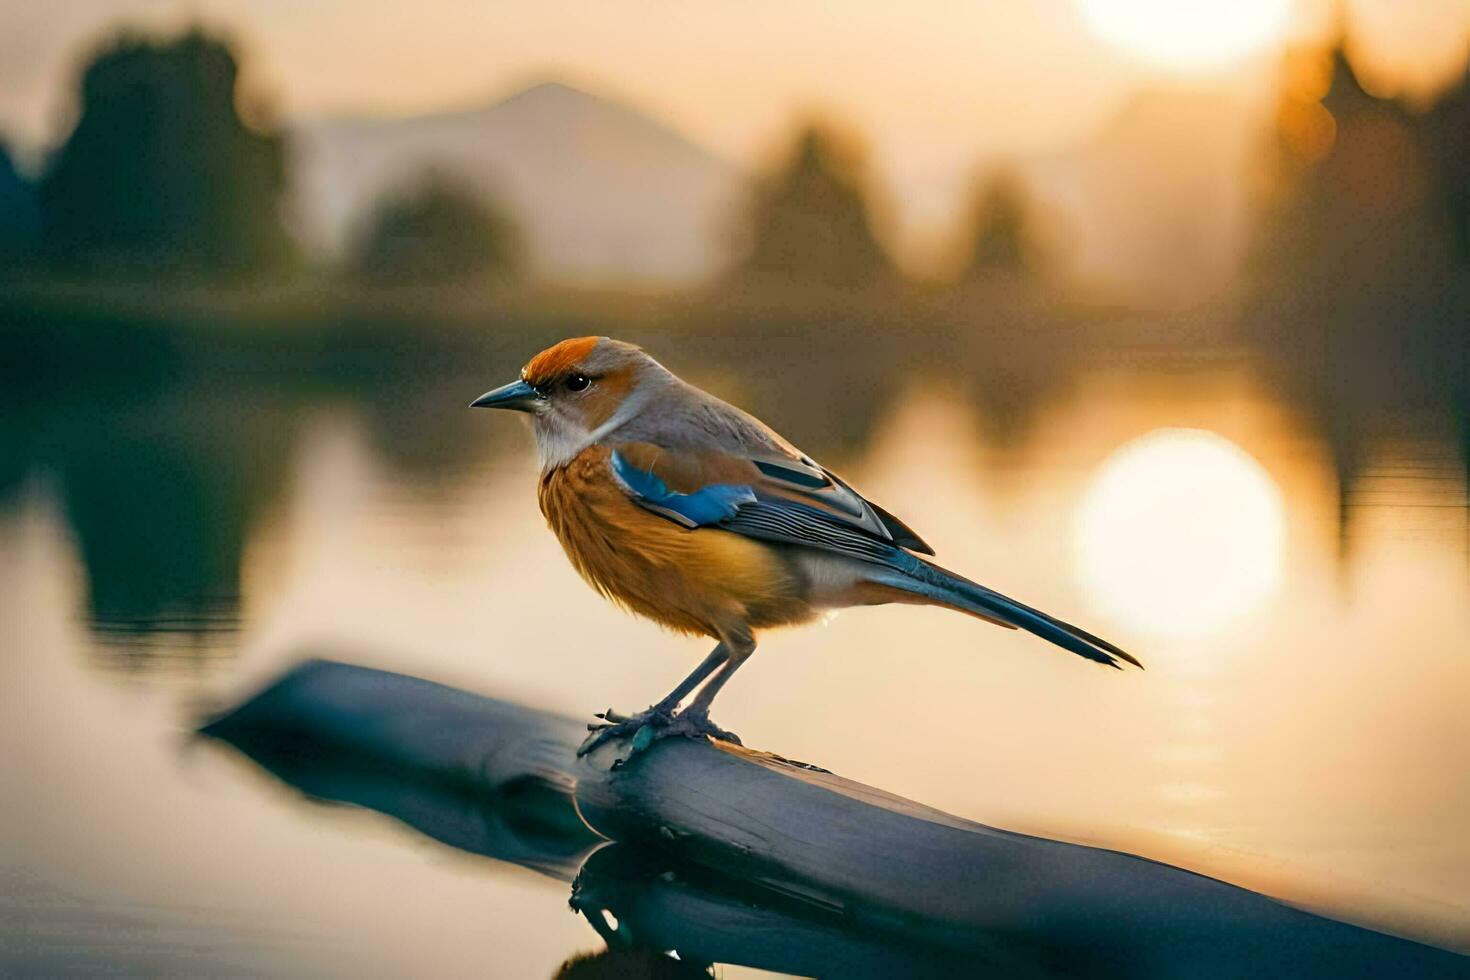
[810,225]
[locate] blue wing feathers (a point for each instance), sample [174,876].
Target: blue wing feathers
[705,506]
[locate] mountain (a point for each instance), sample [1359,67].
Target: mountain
[602,191]
[1157,201]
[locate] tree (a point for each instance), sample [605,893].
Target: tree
[1361,284]
[17,211]
[1359,252]
[162,172]
[1447,128]
[438,229]
[1000,228]
[811,225]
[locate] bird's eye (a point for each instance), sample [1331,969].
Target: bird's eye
[578,382]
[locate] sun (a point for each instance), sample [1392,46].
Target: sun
[1180,533]
[1188,35]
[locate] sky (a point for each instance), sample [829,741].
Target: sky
[729,74]
[927,82]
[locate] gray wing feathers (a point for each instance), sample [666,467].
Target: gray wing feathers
[786,522]
[683,417]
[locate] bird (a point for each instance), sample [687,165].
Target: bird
[691,512]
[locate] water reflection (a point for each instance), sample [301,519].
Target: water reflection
[161,528]
[1180,532]
[1299,745]
[635,899]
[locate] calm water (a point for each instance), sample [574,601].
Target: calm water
[1300,728]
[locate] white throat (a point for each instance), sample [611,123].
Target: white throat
[559,439]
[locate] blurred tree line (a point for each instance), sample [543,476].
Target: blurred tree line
[174,168]
[164,174]
[812,223]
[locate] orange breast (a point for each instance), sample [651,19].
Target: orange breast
[700,580]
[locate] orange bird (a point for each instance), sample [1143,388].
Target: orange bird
[688,511]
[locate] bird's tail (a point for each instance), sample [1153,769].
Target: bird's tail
[945,588]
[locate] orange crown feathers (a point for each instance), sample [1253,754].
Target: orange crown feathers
[554,362]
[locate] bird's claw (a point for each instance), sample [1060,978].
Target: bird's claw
[697,724]
[649,726]
[614,724]
[617,717]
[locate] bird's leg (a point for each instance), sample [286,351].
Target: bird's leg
[671,700]
[694,720]
[617,725]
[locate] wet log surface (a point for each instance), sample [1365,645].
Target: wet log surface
[731,855]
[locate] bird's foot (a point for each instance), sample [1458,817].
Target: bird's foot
[696,724]
[649,726]
[614,725]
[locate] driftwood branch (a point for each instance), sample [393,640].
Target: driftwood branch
[730,855]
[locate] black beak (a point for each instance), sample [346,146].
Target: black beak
[516,396]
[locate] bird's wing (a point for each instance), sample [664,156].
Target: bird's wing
[725,444]
[740,490]
[777,501]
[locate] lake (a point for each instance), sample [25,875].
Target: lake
[1300,728]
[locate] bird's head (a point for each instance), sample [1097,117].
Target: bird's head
[577,391]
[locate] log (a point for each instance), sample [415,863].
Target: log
[481,775]
[737,856]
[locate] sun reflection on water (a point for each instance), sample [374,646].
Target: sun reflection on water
[1179,533]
